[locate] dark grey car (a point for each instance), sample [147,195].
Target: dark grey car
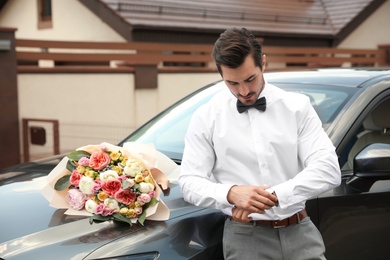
[354,106]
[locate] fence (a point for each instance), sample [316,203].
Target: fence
[62,56]
[145,61]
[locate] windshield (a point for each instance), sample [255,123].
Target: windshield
[167,130]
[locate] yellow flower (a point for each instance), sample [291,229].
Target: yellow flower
[137,204]
[117,169]
[138,178]
[81,169]
[102,196]
[131,213]
[132,205]
[90,174]
[124,210]
[124,160]
[115,155]
[149,179]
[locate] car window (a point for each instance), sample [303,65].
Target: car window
[167,130]
[373,129]
[326,100]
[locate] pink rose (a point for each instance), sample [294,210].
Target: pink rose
[143,198]
[76,199]
[122,177]
[97,185]
[107,211]
[111,186]
[99,208]
[104,210]
[84,161]
[125,196]
[75,178]
[99,160]
[138,210]
[103,147]
[152,193]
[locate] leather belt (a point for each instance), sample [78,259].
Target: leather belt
[294,219]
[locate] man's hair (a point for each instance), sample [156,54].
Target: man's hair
[233,46]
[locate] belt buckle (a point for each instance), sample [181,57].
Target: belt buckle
[277,225]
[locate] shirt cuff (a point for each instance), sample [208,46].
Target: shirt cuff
[285,194]
[223,190]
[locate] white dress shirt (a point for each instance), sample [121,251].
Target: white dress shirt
[284,147]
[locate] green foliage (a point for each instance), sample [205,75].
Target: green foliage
[71,165]
[98,218]
[77,155]
[62,183]
[121,218]
[142,217]
[115,217]
[125,184]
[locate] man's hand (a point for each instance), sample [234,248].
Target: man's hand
[240,215]
[253,199]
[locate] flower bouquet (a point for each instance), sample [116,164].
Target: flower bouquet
[109,182]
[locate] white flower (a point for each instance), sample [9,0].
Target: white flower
[90,206]
[109,174]
[86,185]
[111,204]
[145,187]
[133,168]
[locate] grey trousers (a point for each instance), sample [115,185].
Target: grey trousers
[300,241]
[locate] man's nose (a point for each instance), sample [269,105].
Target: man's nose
[243,89]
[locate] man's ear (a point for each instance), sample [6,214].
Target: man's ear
[263,62]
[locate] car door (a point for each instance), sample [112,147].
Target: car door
[354,218]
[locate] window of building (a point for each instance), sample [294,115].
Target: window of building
[44,14]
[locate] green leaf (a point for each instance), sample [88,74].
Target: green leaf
[77,155]
[121,218]
[71,166]
[125,184]
[152,202]
[142,217]
[98,218]
[62,183]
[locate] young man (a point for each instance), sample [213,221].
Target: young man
[258,153]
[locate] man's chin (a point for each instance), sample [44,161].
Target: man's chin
[247,102]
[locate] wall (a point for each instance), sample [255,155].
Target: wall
[372,32]
[92,108]
[71,21]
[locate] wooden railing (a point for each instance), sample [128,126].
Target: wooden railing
[62,56]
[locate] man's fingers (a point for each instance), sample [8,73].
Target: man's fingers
[240,215]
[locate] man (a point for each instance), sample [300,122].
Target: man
[258,165]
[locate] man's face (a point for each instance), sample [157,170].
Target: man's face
[245,82]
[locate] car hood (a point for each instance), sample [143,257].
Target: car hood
[31,229]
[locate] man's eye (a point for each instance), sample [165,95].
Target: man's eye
[233,83]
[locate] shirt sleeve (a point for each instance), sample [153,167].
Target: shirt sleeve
[196,180]
[316,153]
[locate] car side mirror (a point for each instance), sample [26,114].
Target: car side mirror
[370,165]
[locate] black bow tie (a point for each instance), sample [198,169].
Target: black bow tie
[260,104]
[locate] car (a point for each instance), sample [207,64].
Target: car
[353,105]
